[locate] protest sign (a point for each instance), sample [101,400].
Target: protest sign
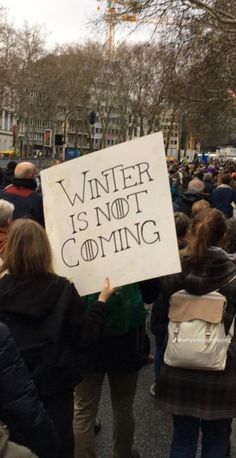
[110,213]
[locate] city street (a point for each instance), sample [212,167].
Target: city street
[153,427]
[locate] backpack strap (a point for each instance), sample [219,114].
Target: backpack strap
[227,283]
[232,326]
[231,329]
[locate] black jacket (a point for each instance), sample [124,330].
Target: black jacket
[48,320]
[128,352]
[28,203]
[20,407]
[185,202]
[7,178]
[159,318]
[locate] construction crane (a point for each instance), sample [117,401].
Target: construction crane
[112,17]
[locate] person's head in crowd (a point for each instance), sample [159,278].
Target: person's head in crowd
[181,225]
[196,186]
[233,176]
[11,165]
[28,250]
[6,218]
[172,170]
[199,174]
[25,170]
[225,178]
[6,213]
[208,176]
[176,176]
[55,162]
[211,169]
[199,206]
[230,244]
[208,229]
[8,173]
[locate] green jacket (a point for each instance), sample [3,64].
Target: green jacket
[125,309]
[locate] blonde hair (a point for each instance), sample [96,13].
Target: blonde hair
[6,213]
[207,229]
[28,250]
[199,205]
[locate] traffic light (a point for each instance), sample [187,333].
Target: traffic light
[92,117]
[14,135]
[59,140]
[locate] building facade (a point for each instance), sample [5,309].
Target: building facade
[6,129]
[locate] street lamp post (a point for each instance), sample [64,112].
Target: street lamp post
[65,128]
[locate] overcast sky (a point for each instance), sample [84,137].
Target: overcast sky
[67,21]
[64,21]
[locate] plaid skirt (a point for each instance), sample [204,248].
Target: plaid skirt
[209,395]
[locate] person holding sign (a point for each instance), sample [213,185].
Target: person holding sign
[120,355]
[48,320]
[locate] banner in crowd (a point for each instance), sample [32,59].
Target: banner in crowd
[110,213]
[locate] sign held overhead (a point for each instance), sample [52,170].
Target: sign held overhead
[110,214]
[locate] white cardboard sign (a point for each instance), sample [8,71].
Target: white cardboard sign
[110,213]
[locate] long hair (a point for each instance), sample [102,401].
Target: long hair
[28,250]
[231,235]
[207,229]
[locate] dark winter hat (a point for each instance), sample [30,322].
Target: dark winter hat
[11,165]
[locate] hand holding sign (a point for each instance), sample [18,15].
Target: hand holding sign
[107,290]
[111,211]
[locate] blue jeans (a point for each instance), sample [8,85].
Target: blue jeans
[159,355]
[186,433]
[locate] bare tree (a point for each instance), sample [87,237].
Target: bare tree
[181,9]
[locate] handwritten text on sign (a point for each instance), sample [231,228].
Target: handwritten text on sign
[110,213]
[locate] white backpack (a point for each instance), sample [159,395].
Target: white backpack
[197,338]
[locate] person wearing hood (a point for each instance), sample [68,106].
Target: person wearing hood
[186,200]
[22,193]
[202,399]
[49,323]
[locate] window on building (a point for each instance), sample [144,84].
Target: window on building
[72,125]
[71,138]
[33,95]
[38,136]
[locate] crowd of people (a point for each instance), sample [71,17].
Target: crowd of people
[56,348]
[214,182]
